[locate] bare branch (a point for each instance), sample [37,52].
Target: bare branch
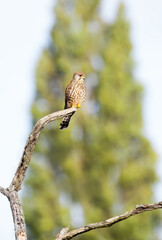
[62,233]
[18,216]
[30,145]
[15,186]
[12,195]
[4,191]
[111,221]
[17,212]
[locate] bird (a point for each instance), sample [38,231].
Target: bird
[75,95]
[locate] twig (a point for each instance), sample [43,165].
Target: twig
[62,233]
[4,191]
[109,222]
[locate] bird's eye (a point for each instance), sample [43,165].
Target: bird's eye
[80,75]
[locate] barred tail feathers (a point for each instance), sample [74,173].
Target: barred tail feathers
[65,121]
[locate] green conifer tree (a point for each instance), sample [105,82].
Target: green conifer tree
[133,169]
[101,163]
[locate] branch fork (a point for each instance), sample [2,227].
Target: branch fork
[12,191]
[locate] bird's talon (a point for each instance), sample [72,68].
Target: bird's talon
[74,106]
[79,105]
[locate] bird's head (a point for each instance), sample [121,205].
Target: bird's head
[79,76]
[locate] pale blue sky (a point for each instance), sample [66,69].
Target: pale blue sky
[24,31]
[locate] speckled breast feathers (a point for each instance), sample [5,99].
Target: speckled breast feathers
[75,95]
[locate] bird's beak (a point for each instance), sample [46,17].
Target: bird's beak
[83,77]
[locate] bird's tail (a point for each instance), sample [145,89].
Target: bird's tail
[65,121]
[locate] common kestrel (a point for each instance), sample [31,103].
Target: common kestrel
[75,95]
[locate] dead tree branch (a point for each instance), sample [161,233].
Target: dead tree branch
[31,143]
[64,235]
[12,191]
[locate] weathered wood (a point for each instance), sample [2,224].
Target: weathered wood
[62,233]
[31,143]
[4,191]
[12,191]
[17,214]
[109,222]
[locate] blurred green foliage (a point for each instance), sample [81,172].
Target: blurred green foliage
[102,163]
